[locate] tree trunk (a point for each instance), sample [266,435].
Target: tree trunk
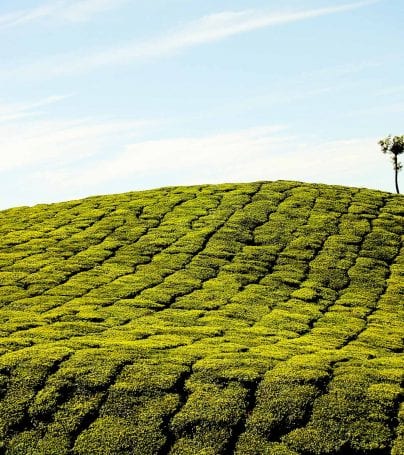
[396,179]
[396,173]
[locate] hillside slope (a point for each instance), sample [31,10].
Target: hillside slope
[262,318]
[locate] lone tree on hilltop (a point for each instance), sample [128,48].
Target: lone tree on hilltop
[394,146]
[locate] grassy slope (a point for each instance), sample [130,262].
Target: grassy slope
[259,318]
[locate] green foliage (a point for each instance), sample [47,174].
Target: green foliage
[258,318]
[208,417]
[355,413]
[394,146]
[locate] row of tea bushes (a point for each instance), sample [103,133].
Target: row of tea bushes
[258,318]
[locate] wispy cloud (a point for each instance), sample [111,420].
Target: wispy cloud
[21,17]
[65,10]
[228,23]
[83,10]
[193,155]
[392,90]
[262,153]
[59,142]
[10,112]
[350,68]
[378,110]
[48,161]
[208,29]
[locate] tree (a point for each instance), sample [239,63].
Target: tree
[394,146]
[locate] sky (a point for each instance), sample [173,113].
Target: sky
[108,96]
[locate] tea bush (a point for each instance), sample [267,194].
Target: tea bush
[256,318]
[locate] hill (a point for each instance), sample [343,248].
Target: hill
[262,318]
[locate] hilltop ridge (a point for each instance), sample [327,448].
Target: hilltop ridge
[254,318]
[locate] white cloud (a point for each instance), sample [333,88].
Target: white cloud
[40,143]
[265,153]
[394,90]
[348,69]
[83,10]
[21,17]
[208,29]
[66,10]
[60,160]
[189,155]
[10,112]
[228,23]
[378,110]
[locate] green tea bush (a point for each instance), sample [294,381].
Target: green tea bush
[285,397]
[257,318]
[138,435]
[211,408]
[26,376]
[354,414]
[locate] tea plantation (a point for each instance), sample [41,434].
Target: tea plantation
[248,319]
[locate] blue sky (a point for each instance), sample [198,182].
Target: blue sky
[105,96]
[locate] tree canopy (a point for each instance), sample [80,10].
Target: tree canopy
[394,146]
